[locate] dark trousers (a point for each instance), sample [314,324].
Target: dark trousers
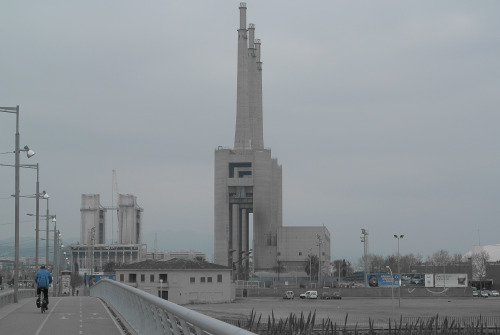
[45,293]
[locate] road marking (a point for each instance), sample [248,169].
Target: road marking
[46,318]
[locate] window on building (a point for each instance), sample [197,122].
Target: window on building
[151,278]
[300,253]
[202,279]
[209,279]
[122,277]
[132,277]
[192,280]
[143,278]
[163,276]
[279,253]
[219,278]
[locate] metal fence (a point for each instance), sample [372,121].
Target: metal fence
[149,314]
[7,297]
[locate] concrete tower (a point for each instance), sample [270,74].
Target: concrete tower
[247,179]
[129,220]
[93,216]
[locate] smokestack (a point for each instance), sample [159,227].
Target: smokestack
[251,36]
[258,124]
[242,135]
[243,15]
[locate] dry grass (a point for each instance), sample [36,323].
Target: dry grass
[307,325]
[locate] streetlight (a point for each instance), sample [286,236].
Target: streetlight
[57,235]
[319,258]
[37,196]
[47,217]
[29,153]
[364,240]
[392,288]
[310,267]
[399,273]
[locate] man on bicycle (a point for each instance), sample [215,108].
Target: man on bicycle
[43,279]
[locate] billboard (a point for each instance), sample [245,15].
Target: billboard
[381,279]
[429,280]
[450,280]
[92,279]
[413,279]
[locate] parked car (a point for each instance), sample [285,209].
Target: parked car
[475,293]
[288,295]
[326,296]
[309,295]
[336,295]
[494,293]
[485,294]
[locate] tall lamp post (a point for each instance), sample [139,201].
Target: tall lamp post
[399,272]
[310,267]
[38,195]
[364,240]
[47,217]
[319,258]
[392,288]
[29,153]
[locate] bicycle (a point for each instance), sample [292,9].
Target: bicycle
[42,305]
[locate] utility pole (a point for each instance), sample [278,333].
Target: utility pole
[364,240]
[319,258]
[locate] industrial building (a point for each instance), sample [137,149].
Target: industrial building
[248,182]
[92,251]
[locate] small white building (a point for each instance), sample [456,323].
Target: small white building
[181,281]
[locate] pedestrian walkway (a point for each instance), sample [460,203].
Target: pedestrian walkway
[66,315]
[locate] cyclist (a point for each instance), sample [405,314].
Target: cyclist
[43,279]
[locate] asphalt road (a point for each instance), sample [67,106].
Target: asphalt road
[66,315]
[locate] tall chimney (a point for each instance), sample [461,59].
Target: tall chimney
[258,126]
[242,134]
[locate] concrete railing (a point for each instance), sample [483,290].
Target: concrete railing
[7,297]
[149,314]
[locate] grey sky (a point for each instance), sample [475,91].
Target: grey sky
[384,115]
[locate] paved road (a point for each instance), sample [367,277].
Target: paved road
[66,315]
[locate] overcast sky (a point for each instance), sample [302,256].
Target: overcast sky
[383,114]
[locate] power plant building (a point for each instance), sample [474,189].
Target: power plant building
[247,179]
[92,251]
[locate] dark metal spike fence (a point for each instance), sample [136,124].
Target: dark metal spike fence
[301,325]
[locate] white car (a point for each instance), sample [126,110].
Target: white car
[309,295]
[494,293]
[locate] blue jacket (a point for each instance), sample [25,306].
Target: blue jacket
[43,278]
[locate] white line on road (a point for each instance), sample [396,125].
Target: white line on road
[48,315]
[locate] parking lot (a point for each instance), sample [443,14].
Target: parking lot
[357,309]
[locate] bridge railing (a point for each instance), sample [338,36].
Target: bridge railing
[7,297]
[149,314]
